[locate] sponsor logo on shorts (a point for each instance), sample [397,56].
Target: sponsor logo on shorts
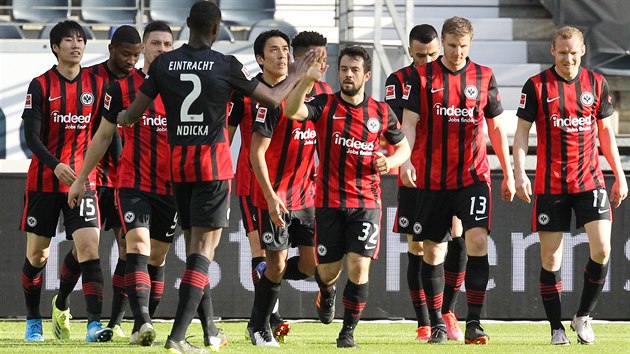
[417,228]
[543,219]
[267,237]
[129,217]
[31,221]
[403,221]
[477,218]
[602,211]
[321,250]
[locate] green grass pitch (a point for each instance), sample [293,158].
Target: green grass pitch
[311,337]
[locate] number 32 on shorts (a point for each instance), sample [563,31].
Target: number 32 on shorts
[369,237]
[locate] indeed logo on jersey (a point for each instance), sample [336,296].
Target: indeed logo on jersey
[572,124]
[454,114]
[159,122]
[71,120]
[354,146]
[307,135]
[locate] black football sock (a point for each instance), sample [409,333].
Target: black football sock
[454,272]
[594,279]
[433,283]
[138,284]
[205,312]
[265,297]
[416,291]
[550,291]
[70,274]
[92,288]
[324,289]
[293,270]
[157,287]
[119,294]
[194,279]
[32,286]
[354,299]
[477,275]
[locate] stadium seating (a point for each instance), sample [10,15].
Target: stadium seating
[170,11]
[39,10]
[246,12]
[10,31]
[110,11]
[45,32]
[224,34]
[266,25]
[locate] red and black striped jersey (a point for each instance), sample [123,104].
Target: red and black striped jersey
[449,151]
[290,158]
[241,114]
[396,87]
[107,164]
[195,85]
[566,113]
[347,137]
[319,87]
[145,162]
[66,110]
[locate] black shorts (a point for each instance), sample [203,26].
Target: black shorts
[552,212]
[300,230]
[41,213]
[149,210]
[248,213]
[428,214]
[203,204]
[341,230]
[108,207]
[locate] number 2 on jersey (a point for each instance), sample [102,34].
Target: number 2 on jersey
[184,115]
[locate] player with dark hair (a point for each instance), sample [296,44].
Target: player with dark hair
[424,47]
[282,159]
[194,82]
[446,105]
[242,112]
[59,114]
[571,107]
[143,186]
[349,125]
[124,51]
[311,40]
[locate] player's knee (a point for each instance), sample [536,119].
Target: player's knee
[601,256]
[37,258]
[415,248]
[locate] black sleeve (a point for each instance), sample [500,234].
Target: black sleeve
[412,100]
[32,117]
[240,78]
[393,95]
[605,106]
[112,103]
[392,133]
[528,103]
[149,86]
[266,120]
[235,108]
[32,129]
[315,106]
[494,107]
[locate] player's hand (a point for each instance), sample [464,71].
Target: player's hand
[317,71]
[523,188]
[619,192]
[65,174]
[276,209]
[380,162]
[304,62]
[408,175]
[122,118]
[76,193]
[508,189]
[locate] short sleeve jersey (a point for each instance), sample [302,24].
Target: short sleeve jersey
[566,113]
[290,158]
[145,162]
[108,178]
[195,86]
[397,89]
[66,110]
[449,151]
[347,137]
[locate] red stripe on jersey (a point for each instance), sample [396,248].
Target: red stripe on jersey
[566,125]
[196,163]
[244,176]
[107,163]
[290,161]
[145,162]
[320,87]
[347,137]
[449,151]
[69,109]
